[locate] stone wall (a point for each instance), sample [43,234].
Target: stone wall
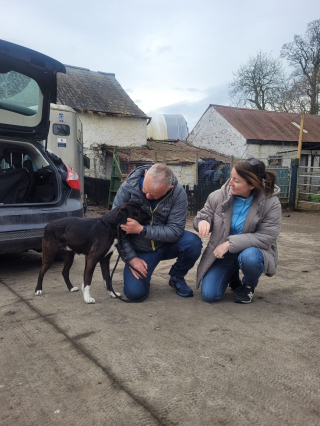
[109,131]
[215,133]
[184,173]
[100,164]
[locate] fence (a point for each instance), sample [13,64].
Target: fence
[283,181]
[198,195]
[308,186]
[97,190]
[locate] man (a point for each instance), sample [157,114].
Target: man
[157,191]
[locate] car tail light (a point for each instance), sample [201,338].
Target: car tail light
[73,179]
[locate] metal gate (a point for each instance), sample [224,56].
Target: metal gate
[309,187]
[283,181]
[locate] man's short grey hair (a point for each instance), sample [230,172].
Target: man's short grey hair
[161,173]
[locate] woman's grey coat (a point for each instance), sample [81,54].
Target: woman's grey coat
[261,227]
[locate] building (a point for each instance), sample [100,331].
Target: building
[185,161]
[270,136]
[108,114]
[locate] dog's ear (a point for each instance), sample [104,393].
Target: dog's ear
[122,215]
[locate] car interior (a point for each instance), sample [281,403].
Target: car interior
[25,175]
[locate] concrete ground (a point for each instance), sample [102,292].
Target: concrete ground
[168,360]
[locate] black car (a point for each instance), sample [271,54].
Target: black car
[36,187]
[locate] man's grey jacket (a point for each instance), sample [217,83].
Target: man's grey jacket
[168,218]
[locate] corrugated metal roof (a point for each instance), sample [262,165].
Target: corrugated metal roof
[87,90]
[270,125]
[174,153]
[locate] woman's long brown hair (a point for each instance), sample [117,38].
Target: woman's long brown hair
[254,172]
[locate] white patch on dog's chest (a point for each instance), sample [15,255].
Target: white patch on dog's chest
[113,247]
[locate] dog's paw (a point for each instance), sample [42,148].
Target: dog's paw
[86,295]
[74,289]
[38,293]
[112,294]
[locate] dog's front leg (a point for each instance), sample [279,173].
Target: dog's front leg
[105,269]
[88,272]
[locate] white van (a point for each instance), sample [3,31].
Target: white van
[65,139]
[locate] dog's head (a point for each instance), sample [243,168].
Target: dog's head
[133,211]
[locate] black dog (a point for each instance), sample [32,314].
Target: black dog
[95,238]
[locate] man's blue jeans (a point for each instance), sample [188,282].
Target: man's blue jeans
[187,250]
[215,281]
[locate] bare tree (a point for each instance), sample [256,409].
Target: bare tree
[292,96]
[304,55]
[257,83]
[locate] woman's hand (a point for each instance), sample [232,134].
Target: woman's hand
[204,228]
[221,250]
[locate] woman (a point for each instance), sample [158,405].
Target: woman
[244,219]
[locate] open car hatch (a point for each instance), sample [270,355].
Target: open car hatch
[28,85]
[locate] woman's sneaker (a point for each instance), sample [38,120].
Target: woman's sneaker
[244,294]
[181,287]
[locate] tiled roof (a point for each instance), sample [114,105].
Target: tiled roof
[270,125]
[176,152]
[82,89]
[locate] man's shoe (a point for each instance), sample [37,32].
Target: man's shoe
[244,294]
[235,282]
[181,287]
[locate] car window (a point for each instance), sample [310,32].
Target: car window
[20,100]
[19,93]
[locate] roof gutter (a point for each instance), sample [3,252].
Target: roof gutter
[113,114]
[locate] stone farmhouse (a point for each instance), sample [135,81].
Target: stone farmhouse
[270,136]
[108,114]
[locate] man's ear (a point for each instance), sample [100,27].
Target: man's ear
[122,215]
[145,173]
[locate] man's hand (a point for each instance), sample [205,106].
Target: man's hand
[221,250]
[140,265]
[132,227]
[204,228]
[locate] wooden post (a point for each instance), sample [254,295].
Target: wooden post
[231,163]
[297,199]
[300,137]
[293,183]
[95,168]
[164,160]
[196,169]
[155,157]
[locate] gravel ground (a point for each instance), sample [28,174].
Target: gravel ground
[168,360]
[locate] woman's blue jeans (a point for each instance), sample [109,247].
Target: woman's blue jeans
[187,250]
[215,281]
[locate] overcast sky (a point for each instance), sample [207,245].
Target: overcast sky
[170,56]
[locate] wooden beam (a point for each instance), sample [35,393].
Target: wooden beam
[300,137]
